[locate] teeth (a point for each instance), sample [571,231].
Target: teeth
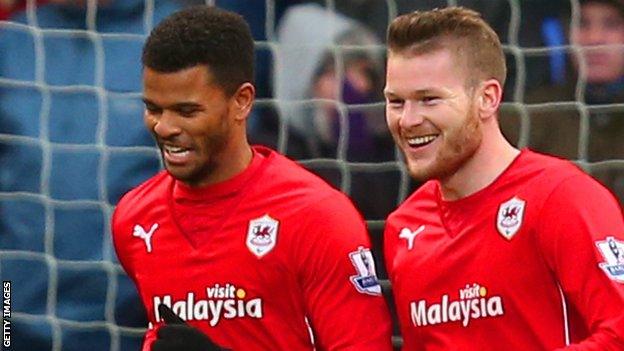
[421,140]
[174,149]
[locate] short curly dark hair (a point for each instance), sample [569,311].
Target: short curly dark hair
[203,35]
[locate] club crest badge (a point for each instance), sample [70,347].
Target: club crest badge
[262,235]
[510,216]
[613,252]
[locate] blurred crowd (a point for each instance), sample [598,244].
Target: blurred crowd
[72,139]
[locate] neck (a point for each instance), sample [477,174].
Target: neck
[228,164]
[235,163]
[490,160]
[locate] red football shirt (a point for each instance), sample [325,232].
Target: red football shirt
[534,261]
[288,252]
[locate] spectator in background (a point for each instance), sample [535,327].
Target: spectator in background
[58,182]
[359,85]
[329,77]
[315,59]
[527,30]
[596,69]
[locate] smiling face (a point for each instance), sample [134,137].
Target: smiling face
[196,126]
[601,34]
[431,113]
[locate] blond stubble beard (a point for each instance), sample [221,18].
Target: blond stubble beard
[459,146]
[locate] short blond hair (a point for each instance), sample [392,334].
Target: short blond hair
[458,28]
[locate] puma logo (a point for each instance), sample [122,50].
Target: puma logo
[410,235]
[139,232]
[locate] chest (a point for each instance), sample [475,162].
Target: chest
[239,266]
[491,249]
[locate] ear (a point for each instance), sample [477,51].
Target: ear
[489,97]
[243,100]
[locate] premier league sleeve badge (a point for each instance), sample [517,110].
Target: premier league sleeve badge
[613,252]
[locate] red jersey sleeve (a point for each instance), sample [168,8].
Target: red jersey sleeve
[119,221]
[389,245]
[337,275]
[390,238]
[119,246]
[581,234]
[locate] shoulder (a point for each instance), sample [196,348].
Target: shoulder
[578,190]
[292,181]
[559,187]
[547,173]
[532,167]
[136,200]
[423,199]
[304,197]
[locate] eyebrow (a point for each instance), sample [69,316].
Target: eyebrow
[185,105]
[413,93]
[176,106]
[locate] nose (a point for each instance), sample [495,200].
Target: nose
[411,115]
[165,125]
